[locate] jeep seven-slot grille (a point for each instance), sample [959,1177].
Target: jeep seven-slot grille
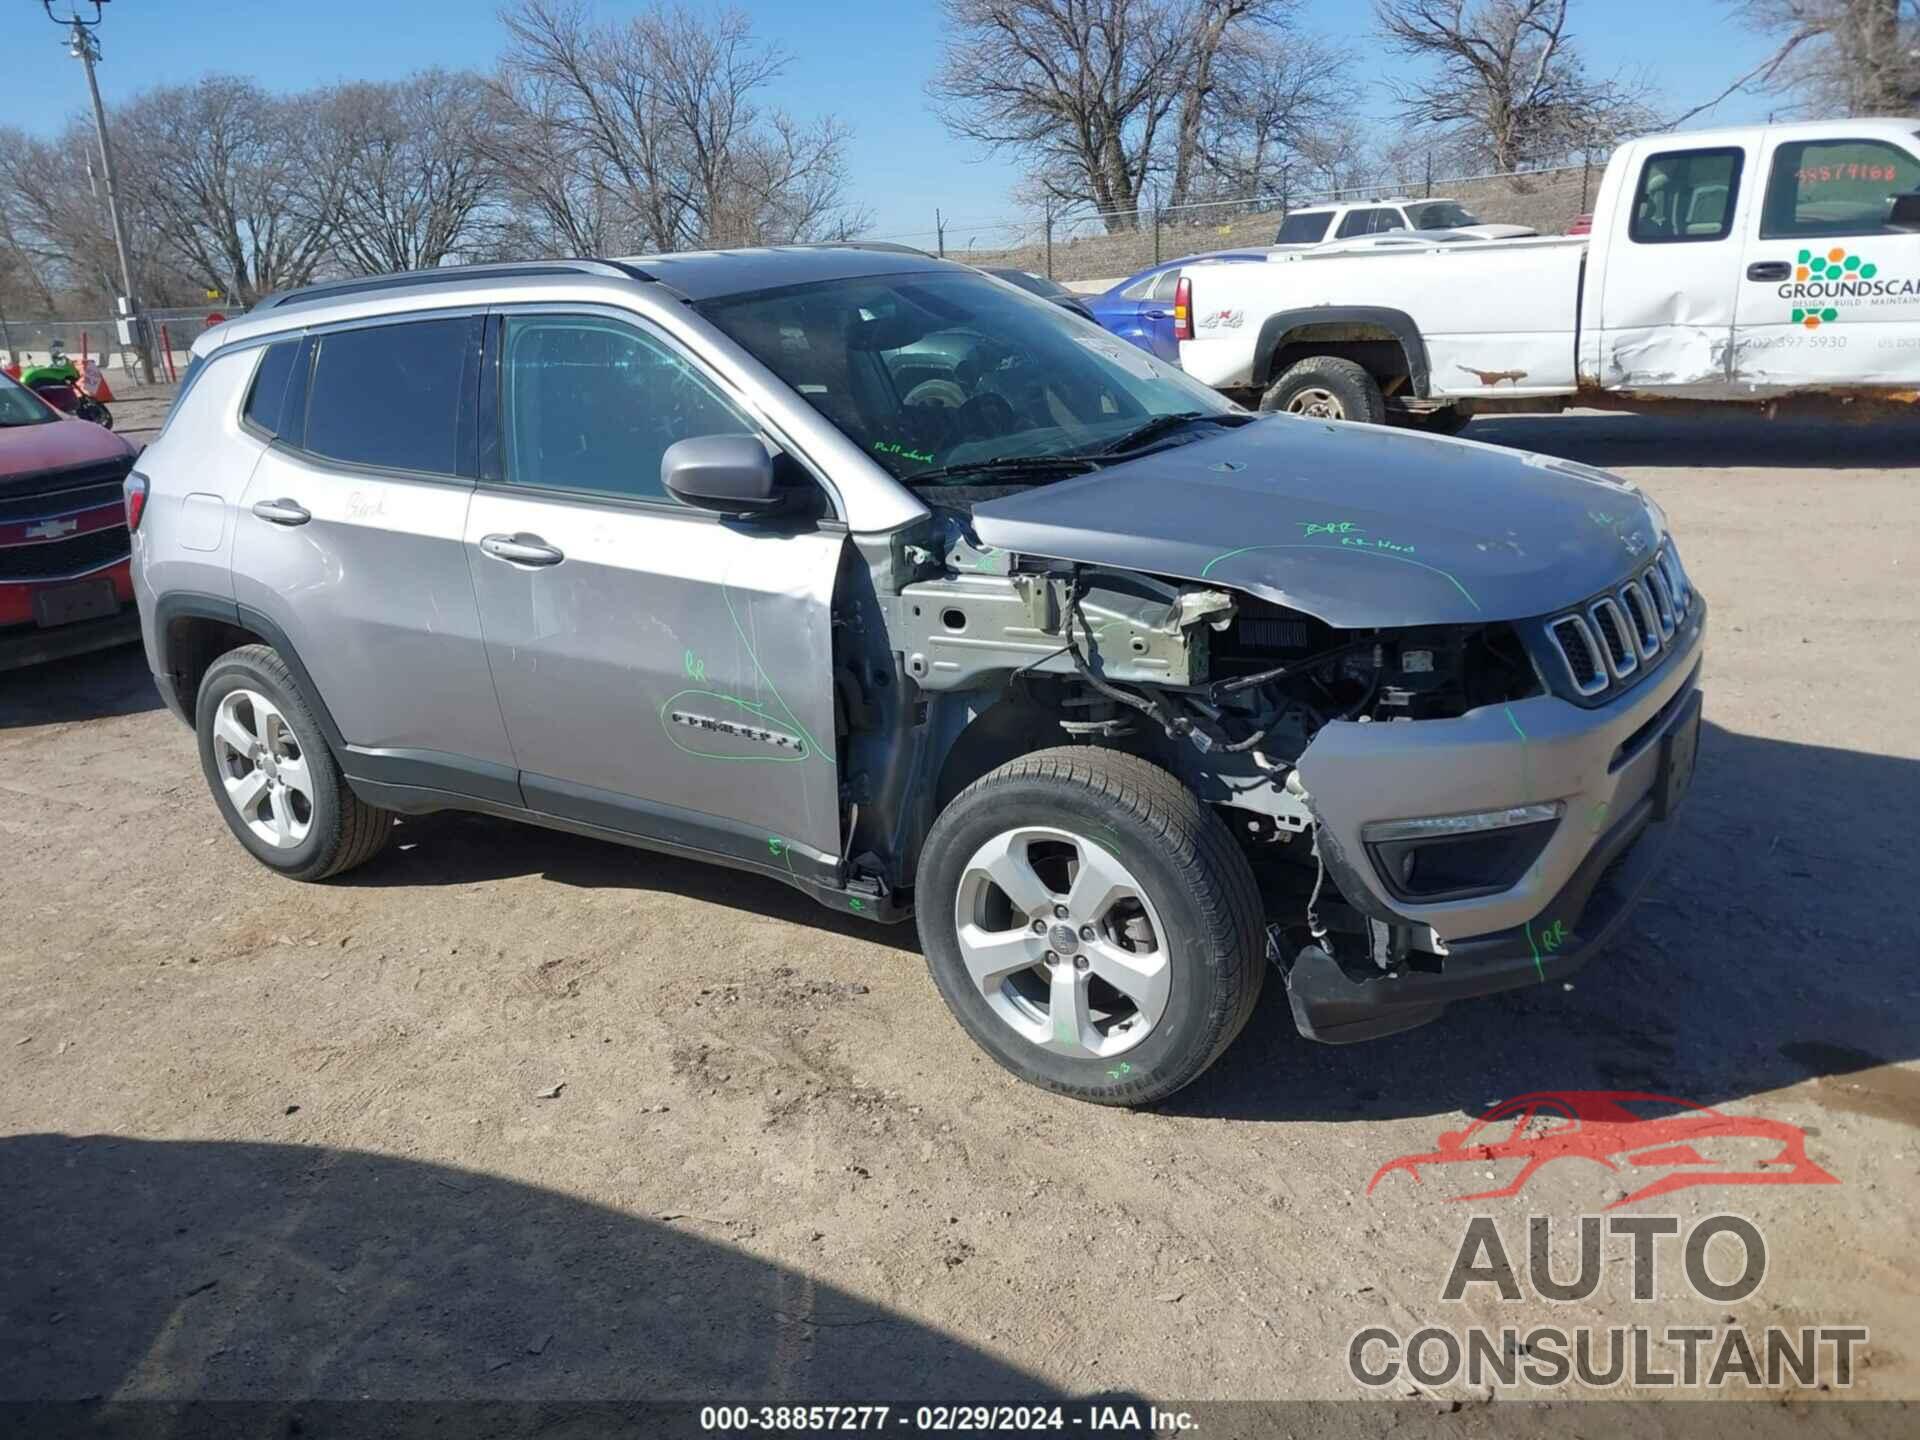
[1611,638]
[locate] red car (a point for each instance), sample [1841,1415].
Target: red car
[64,546]
[1624,1131]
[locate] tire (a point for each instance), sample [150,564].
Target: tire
[1193,893]
[249,695]
[1327,387]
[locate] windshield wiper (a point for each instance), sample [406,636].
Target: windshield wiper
[1166,425]
[1006,465]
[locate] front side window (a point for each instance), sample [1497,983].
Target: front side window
[591,405]
[1309,229]
[1835,187]
[1686,195]
[389,395]
[938,369]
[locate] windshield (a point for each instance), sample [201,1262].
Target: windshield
[1439,215]
[20,406]
[1304,229]
[940,370]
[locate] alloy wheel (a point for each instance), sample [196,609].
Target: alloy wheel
[263,768]
[1063,942]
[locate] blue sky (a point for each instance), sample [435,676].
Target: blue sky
[865,60]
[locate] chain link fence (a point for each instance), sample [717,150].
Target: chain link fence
[31,339]
[1087,246]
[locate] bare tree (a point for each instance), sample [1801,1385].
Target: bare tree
[1506,86]
[1279,117]
[416,172]
[215,171]
[1846,57]
[661,132]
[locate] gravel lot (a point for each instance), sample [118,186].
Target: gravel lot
[267,1140]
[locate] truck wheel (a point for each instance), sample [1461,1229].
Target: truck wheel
[1327,387]
[1091,924]
[272,775]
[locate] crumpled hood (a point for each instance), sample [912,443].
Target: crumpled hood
[1359,525]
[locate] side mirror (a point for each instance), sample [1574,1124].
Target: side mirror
[1903,211]
[730,474]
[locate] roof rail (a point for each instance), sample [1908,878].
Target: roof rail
[406,279]
[866,245]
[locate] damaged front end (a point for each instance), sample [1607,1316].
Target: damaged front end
[1383,780]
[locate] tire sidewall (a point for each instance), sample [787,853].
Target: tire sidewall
[1180,1045]
[237,672]
[1355,403]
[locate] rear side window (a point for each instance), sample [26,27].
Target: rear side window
[1168,286]
[1686,195]
[267,400]
[1835,187]
[390,395]
[1304,229]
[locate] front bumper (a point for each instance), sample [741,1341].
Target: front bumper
[1606,765]
[31,645]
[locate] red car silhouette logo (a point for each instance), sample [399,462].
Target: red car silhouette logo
[1623,1130]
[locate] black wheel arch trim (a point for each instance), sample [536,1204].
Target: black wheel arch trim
[1276,328]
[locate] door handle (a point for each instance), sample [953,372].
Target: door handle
[521,549]
[1156,314]
[283,511]
[1769,270]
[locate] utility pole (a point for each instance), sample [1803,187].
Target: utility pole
[84,46]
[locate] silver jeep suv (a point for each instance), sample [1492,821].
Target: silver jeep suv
[881,577]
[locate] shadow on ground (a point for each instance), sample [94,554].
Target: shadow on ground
[87,687]
[1716,442]
[206,1270]
[1773,950]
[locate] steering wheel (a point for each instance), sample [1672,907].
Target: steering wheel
[986,416]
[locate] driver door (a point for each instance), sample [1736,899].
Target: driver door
[662,671]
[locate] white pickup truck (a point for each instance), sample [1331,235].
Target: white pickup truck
[1773,265]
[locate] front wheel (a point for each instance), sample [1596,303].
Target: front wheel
[1091,924]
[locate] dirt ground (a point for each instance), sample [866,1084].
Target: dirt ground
[513,1114]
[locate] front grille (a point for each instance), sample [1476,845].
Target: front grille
[1611,626]
[60,502]
[1577,648]
[58,559]
[1617,636]
[34,490]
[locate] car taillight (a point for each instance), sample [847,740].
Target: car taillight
[136,490]
[1183,309]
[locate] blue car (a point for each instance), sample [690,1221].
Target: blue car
[1140,308]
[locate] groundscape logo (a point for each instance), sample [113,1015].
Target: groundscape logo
[1821,278]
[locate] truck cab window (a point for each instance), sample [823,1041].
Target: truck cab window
[1835,187]
[1686,195]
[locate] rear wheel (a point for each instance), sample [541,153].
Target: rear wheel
[1091,924]
[1327,387]
[273,776]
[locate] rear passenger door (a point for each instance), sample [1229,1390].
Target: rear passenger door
[1673,271]
[350,539]
[663,671]
[1831,290]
